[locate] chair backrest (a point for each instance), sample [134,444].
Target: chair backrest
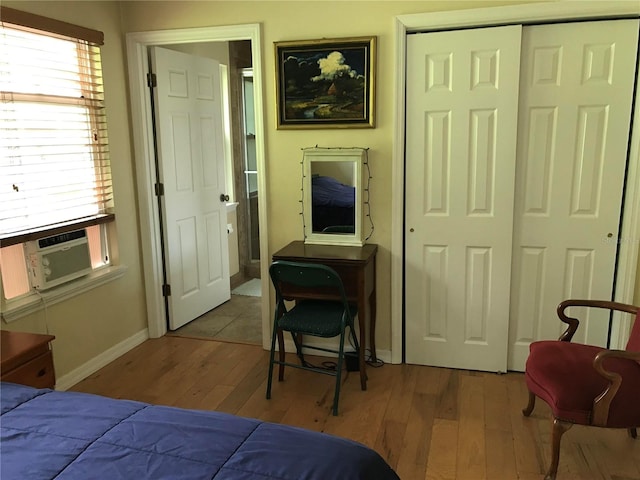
[633,345]
[306,275]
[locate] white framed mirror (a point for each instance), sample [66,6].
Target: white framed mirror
[332,195]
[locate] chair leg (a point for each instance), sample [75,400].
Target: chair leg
[297,341]
[272,354]
[559,427]
[529,408]
[281,355]
[336,396]
[633,433]
[363,372]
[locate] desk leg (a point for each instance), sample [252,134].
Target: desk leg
[362,322]
[372,325]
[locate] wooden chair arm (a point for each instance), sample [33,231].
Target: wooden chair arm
[603,401]
[574,322]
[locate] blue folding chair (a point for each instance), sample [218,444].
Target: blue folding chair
[325,317]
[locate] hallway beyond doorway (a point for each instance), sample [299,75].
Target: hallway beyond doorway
[251,288]
[238,320]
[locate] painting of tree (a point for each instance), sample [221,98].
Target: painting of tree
[325,83]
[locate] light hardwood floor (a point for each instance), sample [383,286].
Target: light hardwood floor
[428,423]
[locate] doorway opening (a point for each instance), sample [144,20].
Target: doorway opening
[244,165]
[245,39]
[237,319]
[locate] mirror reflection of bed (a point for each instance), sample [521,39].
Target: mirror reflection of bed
[333,195]
[333,201]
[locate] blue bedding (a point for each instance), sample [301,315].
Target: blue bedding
[68,435]
[330,192]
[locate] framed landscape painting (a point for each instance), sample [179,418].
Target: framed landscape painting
[325,83]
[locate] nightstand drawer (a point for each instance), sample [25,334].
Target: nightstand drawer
[37,372]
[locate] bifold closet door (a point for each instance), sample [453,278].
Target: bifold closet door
[462,98]
[575,108]
[489,253]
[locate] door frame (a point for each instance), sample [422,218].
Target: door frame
[144,154]
[525,14]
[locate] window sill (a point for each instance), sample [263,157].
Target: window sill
[14,309]
[49,230]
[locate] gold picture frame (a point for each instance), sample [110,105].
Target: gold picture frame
[328,83]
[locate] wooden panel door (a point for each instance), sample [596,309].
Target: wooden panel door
[575,105]
[462,100]
[191,162]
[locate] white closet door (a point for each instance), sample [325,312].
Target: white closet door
[462,98]
[575,106]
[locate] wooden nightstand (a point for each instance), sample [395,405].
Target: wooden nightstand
[26,359]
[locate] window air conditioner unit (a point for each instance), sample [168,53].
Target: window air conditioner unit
[58,259]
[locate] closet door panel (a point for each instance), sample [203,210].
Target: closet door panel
[462,97]
[575,106]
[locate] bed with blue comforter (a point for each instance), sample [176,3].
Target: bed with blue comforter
[47,434]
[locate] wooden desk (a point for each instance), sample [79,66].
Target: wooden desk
[357,269]
[26,359]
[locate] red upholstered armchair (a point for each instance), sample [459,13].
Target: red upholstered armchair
[584,384]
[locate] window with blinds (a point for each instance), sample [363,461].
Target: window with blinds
[54,157]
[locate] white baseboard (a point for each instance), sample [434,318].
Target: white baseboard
[96,363]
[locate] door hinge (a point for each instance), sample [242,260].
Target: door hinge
[159,187]
[166,290]
[152,80]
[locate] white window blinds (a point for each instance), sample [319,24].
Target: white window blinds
[54,155]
